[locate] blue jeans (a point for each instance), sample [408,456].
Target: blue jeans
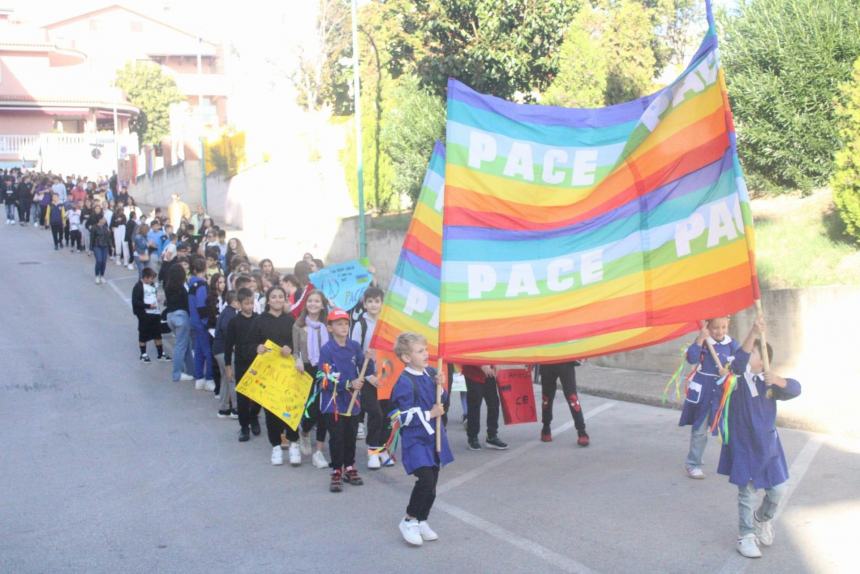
[10,211]
[698,441]
[202,353]
[101,254]
[180,324]
[746,502]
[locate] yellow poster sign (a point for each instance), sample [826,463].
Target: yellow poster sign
[273,382]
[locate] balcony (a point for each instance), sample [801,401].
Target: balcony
[81,154]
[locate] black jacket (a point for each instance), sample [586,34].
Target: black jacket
[279,330]
[240,344]
[100,235]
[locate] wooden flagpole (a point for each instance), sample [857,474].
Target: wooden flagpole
[439,402]
[355,392]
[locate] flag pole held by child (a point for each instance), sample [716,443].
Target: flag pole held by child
[355,392]
[439,402]
[714,354]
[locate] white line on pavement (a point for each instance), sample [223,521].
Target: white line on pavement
[562,562]
[515,453]
[118,292]
[736,564]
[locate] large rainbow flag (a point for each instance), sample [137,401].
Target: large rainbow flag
[412,300]
[582,232]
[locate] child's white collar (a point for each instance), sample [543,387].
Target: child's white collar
[415,372]
[725,341]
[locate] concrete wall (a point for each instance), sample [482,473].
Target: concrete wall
[183,179]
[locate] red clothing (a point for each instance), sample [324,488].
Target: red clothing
[78,194]
[474,374]
[296,308]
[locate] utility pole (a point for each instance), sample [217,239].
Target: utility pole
[362,232]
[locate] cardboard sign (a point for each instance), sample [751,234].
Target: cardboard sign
[343,284]
[273,382]
[517,396]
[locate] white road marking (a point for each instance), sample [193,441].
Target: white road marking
[118,292]
[562,562]
[449,485]
[737,563]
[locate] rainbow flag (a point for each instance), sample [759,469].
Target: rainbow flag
[412,300]
[581,232]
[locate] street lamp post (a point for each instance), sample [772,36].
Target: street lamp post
[362,232]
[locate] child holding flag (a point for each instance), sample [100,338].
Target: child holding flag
[341,360]
[703,392]
[414,397]
[752,455]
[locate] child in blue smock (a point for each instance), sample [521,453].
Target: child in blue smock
[342,358]
[753,457]
[703,392]
[414,398]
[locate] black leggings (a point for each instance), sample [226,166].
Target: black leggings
[75,237]
[378,425]
[423,493]
[475,393]
[567,373]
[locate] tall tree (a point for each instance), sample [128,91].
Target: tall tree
[151,90]
[505,47]
[784,61]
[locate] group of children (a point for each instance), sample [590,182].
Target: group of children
[751,454]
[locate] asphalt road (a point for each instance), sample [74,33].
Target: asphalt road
[107,466]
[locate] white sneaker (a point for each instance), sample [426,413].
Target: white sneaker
[747,547]
[305,443]
[209,385]
[185,377]
[763,531]
[386,459]
[695,473]
[277,457]
[295,454]
[319,460]
[118,263]
[98,280]
[362,432]
[426,532]
[410,532]
[199,384]
[373,462]
[130,265]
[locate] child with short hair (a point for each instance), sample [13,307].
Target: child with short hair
[144,305]
[752,455]
[362,333]
[703,393]
[341,359]
[227,407]
[414,397]
[240,349]
[55,215]
[198,312]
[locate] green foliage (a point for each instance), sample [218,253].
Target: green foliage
[415,120]
[784,61]
[846,179]
[614,48]
[377,166]
[148,88]
[226,154]
[322,78]
[508,48]
[583,66]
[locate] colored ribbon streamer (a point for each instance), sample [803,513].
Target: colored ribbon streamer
[677,378]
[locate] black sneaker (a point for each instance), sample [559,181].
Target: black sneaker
[474,444]
[244,436]
[224,414]
[255,427]
[496,443]
[144,358]
[165,357]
